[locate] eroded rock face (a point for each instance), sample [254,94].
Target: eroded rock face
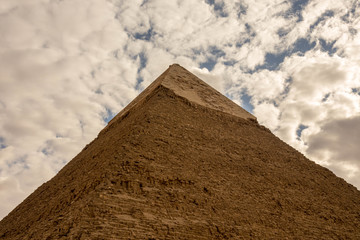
[182,163]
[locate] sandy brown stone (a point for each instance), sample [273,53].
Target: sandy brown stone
[183,162]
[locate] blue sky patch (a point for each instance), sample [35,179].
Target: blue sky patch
[210,2]
[229,62]
[216,51]
[19,162]
[144,2]
[273,60]
[322,18]
[139,79]
[282,32]
[143,60]
[302,45]
[99,91]
[145,36]
[286,91]
[296,9]
[2,143]
[218,8]
[351,12]
[246,102]
[211,61]
[352,31]
[328,47]
[298,5]
[241,9]
[209,64]
[300,129]
[109,115]
[241,43]
[355,90]
[326,97]
[46,152]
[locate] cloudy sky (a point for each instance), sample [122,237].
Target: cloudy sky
[68,66]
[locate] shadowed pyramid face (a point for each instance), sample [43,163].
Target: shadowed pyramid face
[183,162]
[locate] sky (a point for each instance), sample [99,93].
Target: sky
[68,66]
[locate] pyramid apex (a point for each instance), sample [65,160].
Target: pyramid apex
[187,85]
[174,65]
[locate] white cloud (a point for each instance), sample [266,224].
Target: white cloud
[9,190]
[60,70]
[339,140]
[265,84]
[268,115]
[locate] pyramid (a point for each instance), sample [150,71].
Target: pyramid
[184,162]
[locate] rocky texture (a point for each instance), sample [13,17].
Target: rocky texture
[180,165]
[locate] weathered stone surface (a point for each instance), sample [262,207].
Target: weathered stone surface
[186,164]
